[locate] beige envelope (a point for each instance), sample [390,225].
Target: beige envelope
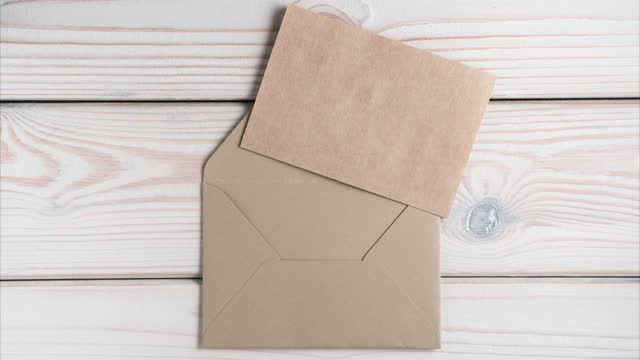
[292,259]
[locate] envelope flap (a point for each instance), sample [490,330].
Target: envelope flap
[231,246]
[409,252]
[302,215]
[319,304]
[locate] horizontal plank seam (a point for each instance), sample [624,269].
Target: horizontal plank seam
[97,101]
[442,277]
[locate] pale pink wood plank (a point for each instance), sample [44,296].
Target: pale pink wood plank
[481,319]
[112,190]
[199,49]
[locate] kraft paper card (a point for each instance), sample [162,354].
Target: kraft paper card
[368,111]
[292,259]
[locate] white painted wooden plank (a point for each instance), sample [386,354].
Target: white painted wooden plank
[199,49]
[113,190]
[481,319]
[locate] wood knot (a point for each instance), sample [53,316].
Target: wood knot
[353,12]
[482,219]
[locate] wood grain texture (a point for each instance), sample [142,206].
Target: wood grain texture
[113,190]
[481,319]
[199,49]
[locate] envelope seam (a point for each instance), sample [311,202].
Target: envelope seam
[245,217]
[228,302]
[375,243]
[384,271]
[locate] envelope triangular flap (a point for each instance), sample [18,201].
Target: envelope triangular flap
[233,249]
[409,252]
[317,304]
[300,214]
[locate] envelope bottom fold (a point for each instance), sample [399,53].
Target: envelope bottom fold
[338,304]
